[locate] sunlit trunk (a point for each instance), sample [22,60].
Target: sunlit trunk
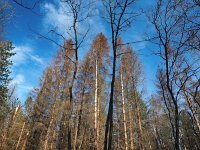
[96,105]
[25,141]
[10,124]
[123,110]
[22,130]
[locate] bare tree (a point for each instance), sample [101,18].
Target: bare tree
[119,16]
[80,13]
[171,37]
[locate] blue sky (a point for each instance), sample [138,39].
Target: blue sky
[33,54]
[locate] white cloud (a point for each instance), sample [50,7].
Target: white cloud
[21,55]
[58,17]
[19,79]
[25,54]
[37,59]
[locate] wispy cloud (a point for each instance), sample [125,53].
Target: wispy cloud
[19,79]
[37,59]
[21,55]
[25,63]
[56,16]
[59,17]
[25,54]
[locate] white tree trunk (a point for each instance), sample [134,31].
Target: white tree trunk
[96,105]
[124,111]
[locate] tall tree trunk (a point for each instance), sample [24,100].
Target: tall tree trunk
[96,106]
[118,123]
[10,124]
[47,135]
[22,130]
[140,133]
[169,88]
[53,141]
[123,110]
[49,127]
[72,83]
[130,118]
[78,125]
[131,128]
[98,122]
[76,129]
[177,138]
[82,140]
[109,120]
[131,133]
[25,141]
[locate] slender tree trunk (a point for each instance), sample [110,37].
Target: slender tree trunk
[177,141]
[176,113]
[98,123]
[140,133]
[25,141]
[118,123]
[10,124]
[50,125]
[53,141]
[69,136]
[130,118]
[131,130]
[77,132]
[123,110]
[47,135]
[77,126]
[72,83]
[81,143]
[96,105]
[22,130]
[109,121]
